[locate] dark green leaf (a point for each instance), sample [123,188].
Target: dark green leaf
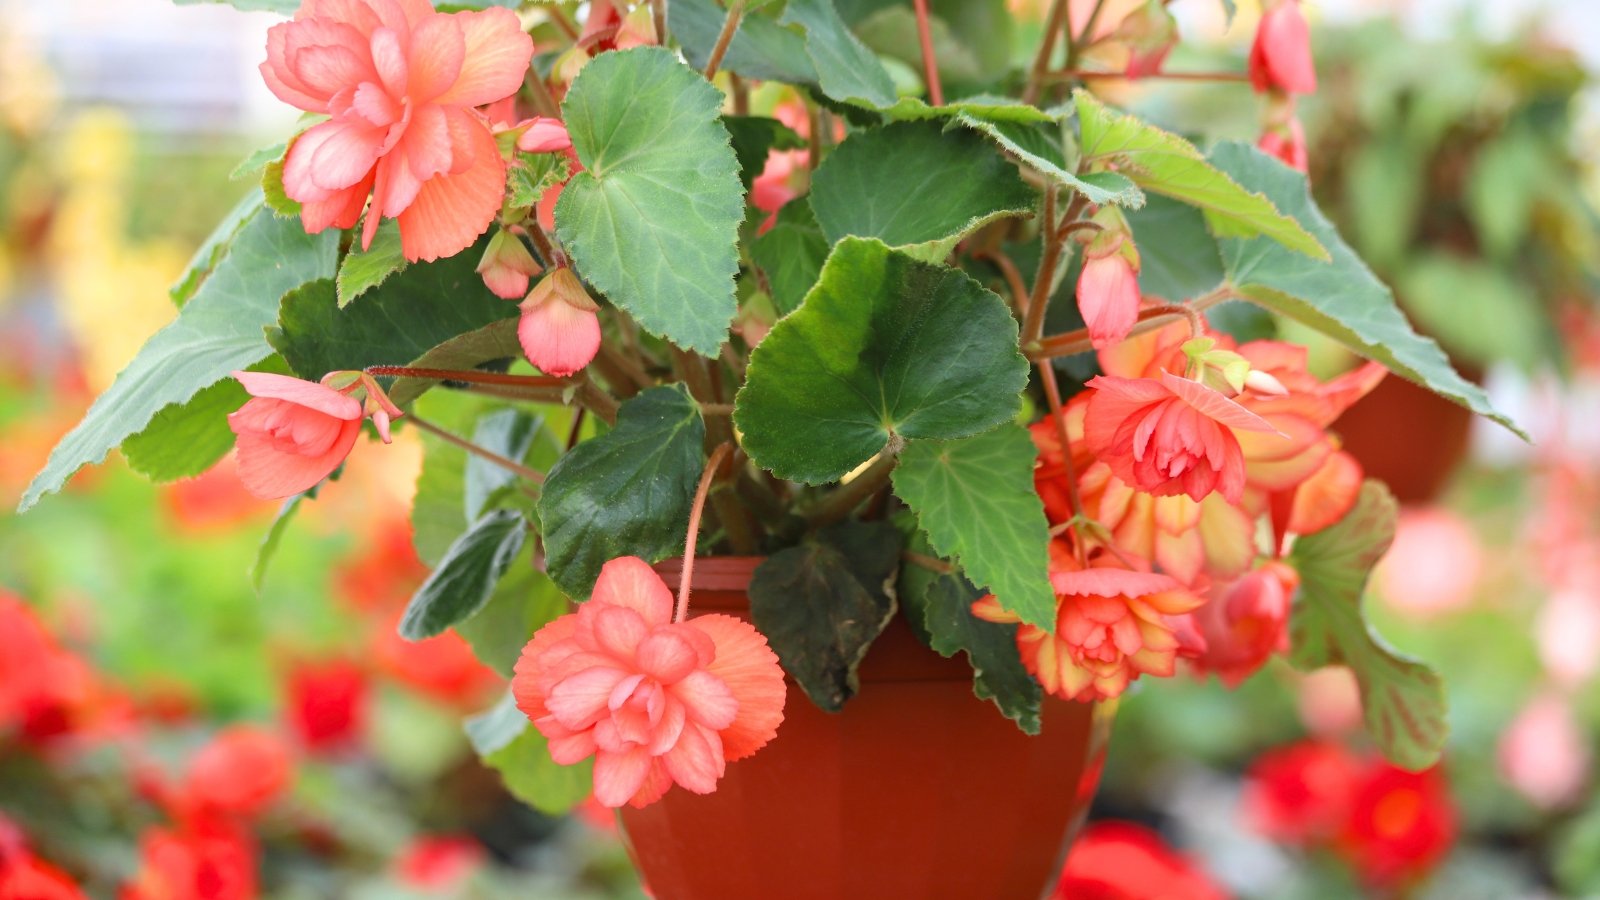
[466,577]
[791,254]
[1163,163]
[653,220]
[626,492]
[822,604]
[975,499]
[883,345]
[761,48]
[408,315]
[523,601]
[216,332]
[846,70]
[510,745]
[185,439]
[1039,147]
[915,186]
[363,270]
[940,605]
[1341,299]
[494,341]
[1402,699]
[754,137]
[508,432]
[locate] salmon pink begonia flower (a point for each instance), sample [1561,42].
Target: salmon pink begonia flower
[1280,58]
[1112,625]
[1245,622]
[1108,297]
[507,266]
[292,433]
[1169,435]
[652,700]
[399,83]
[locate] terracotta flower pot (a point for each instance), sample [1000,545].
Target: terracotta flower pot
[1407,437]
[917,789]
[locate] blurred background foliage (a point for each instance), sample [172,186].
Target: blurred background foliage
[1460,166]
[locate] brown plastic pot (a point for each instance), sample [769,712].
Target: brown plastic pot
[918,789]
[1407,437]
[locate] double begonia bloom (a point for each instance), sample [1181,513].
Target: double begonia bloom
[399,83]
[1112,625]
[292,434]
[653,701]
[560,326]
[1169,435]
[1280,58]
[1244,623]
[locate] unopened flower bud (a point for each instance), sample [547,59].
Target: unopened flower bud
[1150,32]
[1263,383]
[560,326]
[638,29]
[544,135]
[507,265]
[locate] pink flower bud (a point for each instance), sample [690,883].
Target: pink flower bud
[1263,383]
[1108,294]
[638,29]
[1280,58]
[544,135]
[507,265]
[560,328]
[1286,142]
[1150,33]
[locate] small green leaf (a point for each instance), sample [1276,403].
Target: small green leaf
[272,190]
[257,160]
[883,345]
[791,254]
[915,186]
[215,247]
[761,49]
[1402,699]
[523,601]
[217,331]
[466,577]
[494,341]
[268,548]
[754,137]
[509,744]
[823,603]
[363,270]
[1163,163]
[940,605]
[654,219]
[509,433]
[626,492]
[532,174]
[1039,147]
[1341,299]
[975,499]
[846,70]
[406,316]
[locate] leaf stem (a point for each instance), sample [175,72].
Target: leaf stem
[693,535]
[1055,22]
[1084,37]
[1150,318]
[841,502]
[730,26]
[541,242]
[528,395]
[544,102]
[562,22]
[1060,75]
[597,400]
[1012,275]
[658,18]
[1052,396]
[482,453]
[930,63]
[471,376]
[1055,239]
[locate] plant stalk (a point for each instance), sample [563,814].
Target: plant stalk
[1054,24]
[482,453]
[836,506]
[693,535]
[730,26]
[930,63]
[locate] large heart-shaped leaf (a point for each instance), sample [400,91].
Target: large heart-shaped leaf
[823,603]
[791,254]
[975,499]
[1163,163]
[883,345]
[1402,699]
[218,330]
[1341,298]
[654,219]
[626,492]
[915,186]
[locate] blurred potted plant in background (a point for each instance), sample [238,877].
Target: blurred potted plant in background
[855,405]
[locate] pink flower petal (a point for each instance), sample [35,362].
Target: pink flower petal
[1107,582]
[618,775]
[696,761]
[707,699]
[451,211]
[579,700]
[558,338]
[498,52]
[438,51]
[270,473]
[303,393]
[667,657]
[750,670]
[1214,406]
[628,581]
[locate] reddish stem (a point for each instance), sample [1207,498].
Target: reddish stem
[1086,75]
[930,63]
[1052,396]
[706,476]
[471,376]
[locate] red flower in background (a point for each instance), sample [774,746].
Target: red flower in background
[241,771]
[45,691]
[326,704]
[383,577]
[443,667]
[1401,825]
[439,862]
[214,499]
[1300,794]
[211,859]
[1124,861]
[24,876]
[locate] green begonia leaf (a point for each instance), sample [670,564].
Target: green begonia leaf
[217,331]
[626,492]
[523,601]
[466,577]
[1402,699]
[1039,147]
[975,499]
[846,70]
[791,254]
[1163,163]
[915,186]
[883,345]
[761,49]
[654,219]
[510,745]
[363,270]
[822,604]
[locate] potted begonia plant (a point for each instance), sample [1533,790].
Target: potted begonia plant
[719,331]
